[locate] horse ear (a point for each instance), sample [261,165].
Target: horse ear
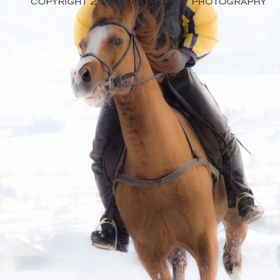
[124,11]
[98,14]
[129,15]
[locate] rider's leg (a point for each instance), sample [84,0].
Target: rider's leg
[107,126]
[201,100]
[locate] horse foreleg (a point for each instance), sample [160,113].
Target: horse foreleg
[153,260]
[235,234]
[178,259]
[206,255]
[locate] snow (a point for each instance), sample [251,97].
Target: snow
[48,197]
[236,275]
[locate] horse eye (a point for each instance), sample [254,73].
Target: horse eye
[118,42]
[81,46]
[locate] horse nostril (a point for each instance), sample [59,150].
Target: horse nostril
[85,76]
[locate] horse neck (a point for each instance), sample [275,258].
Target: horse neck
[153,136]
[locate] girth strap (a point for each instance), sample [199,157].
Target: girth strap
[169,178]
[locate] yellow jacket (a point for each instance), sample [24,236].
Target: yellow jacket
[199,23]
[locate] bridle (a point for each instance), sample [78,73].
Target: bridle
[113,83]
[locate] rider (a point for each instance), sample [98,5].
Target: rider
[193,27]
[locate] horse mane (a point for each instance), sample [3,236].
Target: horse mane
[148,28]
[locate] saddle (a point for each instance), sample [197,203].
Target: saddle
[116,147]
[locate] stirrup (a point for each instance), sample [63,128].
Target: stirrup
[108,247]
[256,217]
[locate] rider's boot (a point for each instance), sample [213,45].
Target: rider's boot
[112,234]
[239,194]
[199,98]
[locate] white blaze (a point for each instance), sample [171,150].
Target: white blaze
[95,37]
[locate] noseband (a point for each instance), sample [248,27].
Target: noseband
[119,82]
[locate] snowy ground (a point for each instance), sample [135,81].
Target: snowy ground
[47,190]
[47,193]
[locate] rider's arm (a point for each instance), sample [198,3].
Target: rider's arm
[83,22]
[200,30]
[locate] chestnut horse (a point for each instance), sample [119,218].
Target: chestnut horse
[119,60]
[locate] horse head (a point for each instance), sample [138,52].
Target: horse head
[113,50]
[103,51]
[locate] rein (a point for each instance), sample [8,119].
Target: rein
[114,83]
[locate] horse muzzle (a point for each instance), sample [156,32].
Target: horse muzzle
[94,94]
[80,80]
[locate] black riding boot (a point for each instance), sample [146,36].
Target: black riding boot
[239,194]
[113,234]
[200,99]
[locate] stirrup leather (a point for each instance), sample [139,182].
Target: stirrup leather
[256,217]
[109,246]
